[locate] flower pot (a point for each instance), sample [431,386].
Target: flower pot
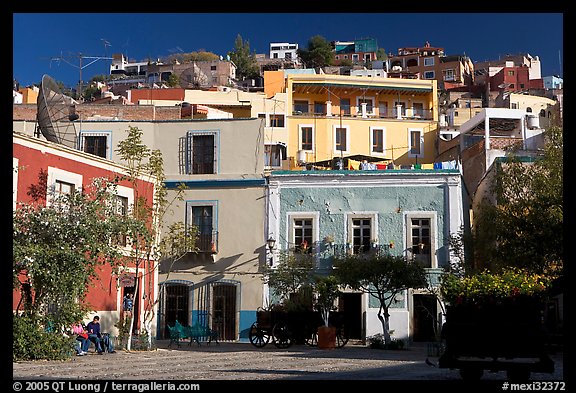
[326,337]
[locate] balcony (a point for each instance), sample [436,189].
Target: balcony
[207,243]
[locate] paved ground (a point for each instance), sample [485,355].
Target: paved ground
[243,361]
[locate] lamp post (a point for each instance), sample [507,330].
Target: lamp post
[271,242]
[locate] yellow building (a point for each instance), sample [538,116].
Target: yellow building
[337,116]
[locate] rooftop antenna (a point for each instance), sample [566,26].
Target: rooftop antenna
[81,66]
[55,114]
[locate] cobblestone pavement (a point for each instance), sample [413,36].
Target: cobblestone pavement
[243,361]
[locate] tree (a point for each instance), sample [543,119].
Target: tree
[173,80]
[381,54]
[319,53]
[327,289]
[291,280]
[246,64]
[381,276]
[524,228]
[57,250]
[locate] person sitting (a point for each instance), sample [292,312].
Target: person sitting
[82,337]
[94,334]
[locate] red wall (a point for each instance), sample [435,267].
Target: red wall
[103,292]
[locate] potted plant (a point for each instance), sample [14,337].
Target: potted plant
[327,291]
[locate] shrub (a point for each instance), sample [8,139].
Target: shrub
[32,342]
[377,342]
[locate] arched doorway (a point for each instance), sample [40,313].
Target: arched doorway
[175,305]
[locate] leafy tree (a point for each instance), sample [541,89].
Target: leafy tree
[524,228]
[381,54]
[57,251]
[327,289]
[246,64]
[291,280]
[200,55]
[381,276]
[318,54]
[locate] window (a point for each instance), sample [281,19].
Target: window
[369,105]
[511,73]
[306,138]
[61,182]
[418,109]
[319,108]
[276,120]
[361,235]
[121,209]
[428,61]
[354,57]
[511,85]
[345,106]
[448,75]
[213,68]
[429,75]
[377,136]
[302,235]
[95,143]
[542,113]
[202,215]
[529,110]
[288,55]
[198,152]
[382,109]
[513,105]
[300,107]
[521,85]
[341,139]
[275,55]
[274,154]
[415,142]
[421,240]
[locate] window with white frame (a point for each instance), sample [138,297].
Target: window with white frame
[415,142]
[306,136]
[122,200]
[428,61]
[202,215]
[341,139]
[449,75]
[199,152]
[97,143]
[429,75]
[377,139]
[61,182]
[362,231]
[302,231]
[421,237]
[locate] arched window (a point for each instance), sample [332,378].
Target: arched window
[529,110]
[542,113]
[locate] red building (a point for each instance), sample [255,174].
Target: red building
[70,169]
[514,79]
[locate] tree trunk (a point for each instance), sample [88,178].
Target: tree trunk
[384,318]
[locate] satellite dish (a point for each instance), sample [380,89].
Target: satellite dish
[193,78]
[56,113]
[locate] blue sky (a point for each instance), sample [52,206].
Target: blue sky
[40,37]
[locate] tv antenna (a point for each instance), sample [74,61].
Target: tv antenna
[80,66]
[55,114]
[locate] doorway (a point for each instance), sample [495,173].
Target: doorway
[424,317]
[350,304]
[177,306]
[224,310]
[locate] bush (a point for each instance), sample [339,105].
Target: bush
[377,342]
[32,342]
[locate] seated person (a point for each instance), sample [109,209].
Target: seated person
[82,337]
[100,340]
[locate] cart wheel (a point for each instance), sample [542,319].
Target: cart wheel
[282,335]
[471,373]
[311,339]
[258,337]
[341,337]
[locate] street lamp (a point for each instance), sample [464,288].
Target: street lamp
[271,242]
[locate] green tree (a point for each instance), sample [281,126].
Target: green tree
[318,54]
[524,228]
[246,64]
[381,276]
[291,280]
[57,250]
[173,80]
[381,54]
